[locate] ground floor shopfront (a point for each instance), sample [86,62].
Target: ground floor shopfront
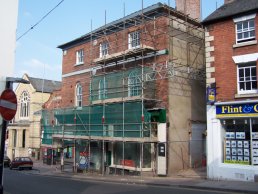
[102,156]
[232,140]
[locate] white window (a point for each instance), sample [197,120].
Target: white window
[134,84]
[245,28]
[78,95]
[247,81]
[102,89]
[134,40]
[24,105]
[79,57]
[103,49]
[245,31]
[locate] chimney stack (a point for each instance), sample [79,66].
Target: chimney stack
[190,7]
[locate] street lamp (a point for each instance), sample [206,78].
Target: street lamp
[8,85]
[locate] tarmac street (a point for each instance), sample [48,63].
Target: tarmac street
[50,179]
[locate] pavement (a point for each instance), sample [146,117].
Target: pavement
[192,178]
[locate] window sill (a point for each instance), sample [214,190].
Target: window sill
[104,56]
[78,64]
[249,43]
[246,95]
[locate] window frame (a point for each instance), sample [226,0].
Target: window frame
[103,49]
[78,95]
[23,138]
[102,89]
[242,20]
[24,105]
[238,126]
[79,57]
[134,84]
[14,138]
[250,80]
[134,40]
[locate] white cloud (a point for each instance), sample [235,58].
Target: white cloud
[41,66]
[39,69]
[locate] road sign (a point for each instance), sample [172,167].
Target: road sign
[8,104]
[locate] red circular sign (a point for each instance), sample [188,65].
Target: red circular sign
[8,104]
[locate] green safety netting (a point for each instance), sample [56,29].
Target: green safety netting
[120,84]
[108,120]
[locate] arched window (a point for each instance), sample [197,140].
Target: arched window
[24,105]
[23,138]
[134,84]
[102,89]
[78,95]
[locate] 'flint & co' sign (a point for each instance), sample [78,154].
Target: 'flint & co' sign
[237,110]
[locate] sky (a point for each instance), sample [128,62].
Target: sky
[36,51]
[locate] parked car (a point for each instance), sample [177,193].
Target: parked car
[21,163]
[6,161]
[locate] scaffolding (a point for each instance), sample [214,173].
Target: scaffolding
[125,102]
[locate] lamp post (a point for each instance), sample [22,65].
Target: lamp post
[8,85]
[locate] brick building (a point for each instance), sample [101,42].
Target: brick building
[132,96]
[231,71]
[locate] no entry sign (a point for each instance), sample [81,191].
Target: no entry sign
[8,104]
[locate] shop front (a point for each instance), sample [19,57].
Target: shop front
[107,157]
[233,140]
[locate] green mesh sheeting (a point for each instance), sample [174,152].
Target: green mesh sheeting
[111,85]
[109,120]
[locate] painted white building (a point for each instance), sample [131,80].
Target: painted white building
[8,23]
[232,91]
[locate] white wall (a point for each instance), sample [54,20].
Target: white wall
[8,23]
[216,169]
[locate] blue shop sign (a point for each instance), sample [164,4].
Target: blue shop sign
[237,110]
[211,95]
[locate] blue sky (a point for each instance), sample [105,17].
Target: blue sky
[37,53]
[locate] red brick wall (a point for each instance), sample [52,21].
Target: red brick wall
[225,68]
[191,7]
[54,101]
[118,42]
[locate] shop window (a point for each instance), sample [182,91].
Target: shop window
[241,141]
[247,79]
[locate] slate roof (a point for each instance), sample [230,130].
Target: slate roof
[234,8]
[151,11]
[49,85]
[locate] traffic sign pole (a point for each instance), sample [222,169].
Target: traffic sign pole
[8,104]
[4,127]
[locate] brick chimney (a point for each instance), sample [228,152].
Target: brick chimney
[228,1]
[189,7]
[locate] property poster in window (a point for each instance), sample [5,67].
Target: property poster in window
[255,160]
